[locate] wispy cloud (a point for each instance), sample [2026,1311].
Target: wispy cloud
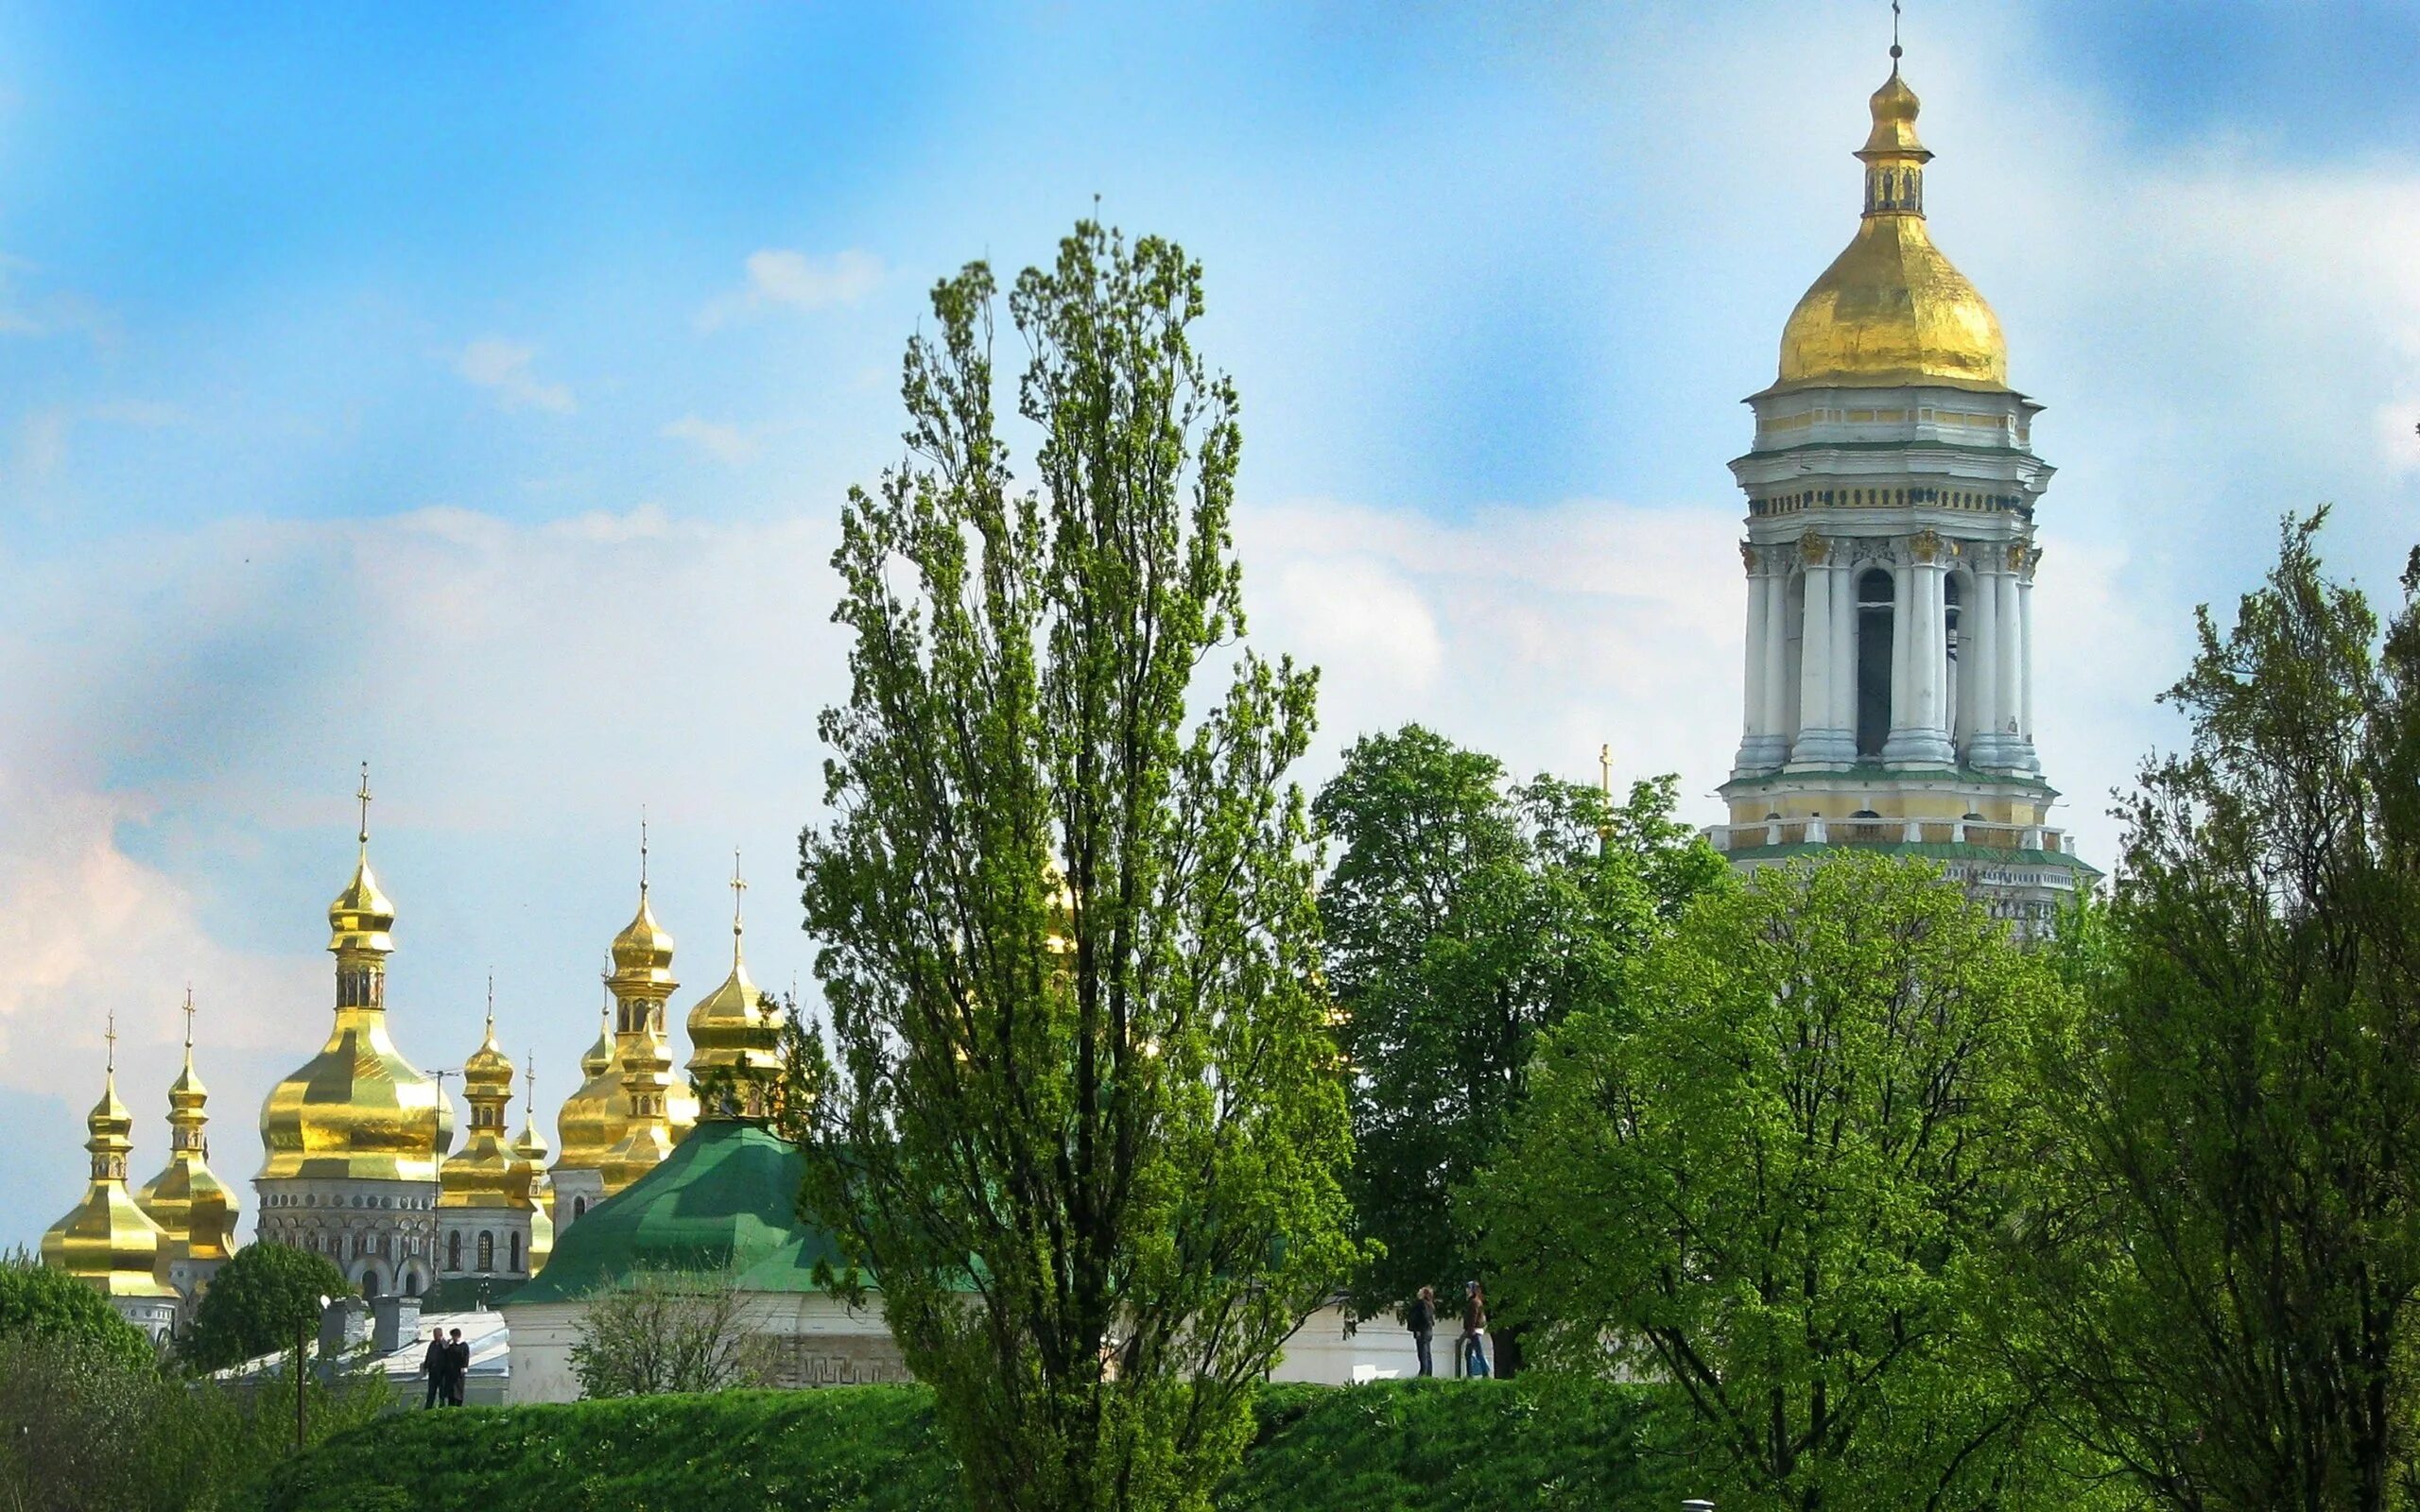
[504,367]
[725,443]
[779,278]
[45,435]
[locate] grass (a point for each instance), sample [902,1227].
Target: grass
[1389,1447]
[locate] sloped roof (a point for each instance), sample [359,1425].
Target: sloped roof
[724,1200]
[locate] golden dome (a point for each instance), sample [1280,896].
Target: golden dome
[734,1045]
[194,1208]
[106,1239]
[1890,309]
[643,951]
[590,1121]
[483,1176]
[533,1189]
[357,1109]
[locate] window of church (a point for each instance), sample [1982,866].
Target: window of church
[1874,608]
[453,1251]
[516,1253]
[487,1250]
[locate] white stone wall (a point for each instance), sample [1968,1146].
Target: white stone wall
[381,1234]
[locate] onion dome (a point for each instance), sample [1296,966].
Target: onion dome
[532,1188]
[590,1124]
[1890,310]
[482,1176]
[194,1208]
[643,951]
[107,1240]
[357,1109]
[736,1045]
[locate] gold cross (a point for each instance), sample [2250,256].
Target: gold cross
[110,1033]
[188,1015]
[364,796]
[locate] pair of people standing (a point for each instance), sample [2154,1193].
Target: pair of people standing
[1473,1343]
[447,1364]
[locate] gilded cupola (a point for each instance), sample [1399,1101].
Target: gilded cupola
[357,1109]
[106,1239]
[1890,310]
[589,1125]
[532,1187]
[194,1208]
[734,1045]
[657,1102]
[482,1174]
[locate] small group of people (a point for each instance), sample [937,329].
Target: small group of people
[447,1364]
[1472,1347]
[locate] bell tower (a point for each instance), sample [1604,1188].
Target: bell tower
[1890,555]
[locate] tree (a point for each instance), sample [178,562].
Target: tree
[1084,1121]
[1462,919]
[45,1307]
[666,1331]
[256,1303]
[2225,1292]
[1773,1176]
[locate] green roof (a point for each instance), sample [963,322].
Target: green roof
[724,1200]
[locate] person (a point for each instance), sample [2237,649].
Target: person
[433,1364]
[1475,1331]
[458,1369]
[1424,1327]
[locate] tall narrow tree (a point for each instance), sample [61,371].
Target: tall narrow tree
[2226,1297]
[1082,1121]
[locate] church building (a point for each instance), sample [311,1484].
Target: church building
[1890,557]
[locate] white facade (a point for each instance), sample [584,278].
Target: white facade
[382,1234]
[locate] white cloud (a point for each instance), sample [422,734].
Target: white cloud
[504,368]
[725,443]
[781,279]
[45,435]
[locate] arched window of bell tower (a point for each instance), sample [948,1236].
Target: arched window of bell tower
[1874,608]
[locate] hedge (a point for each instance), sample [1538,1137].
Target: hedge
[1435,1446]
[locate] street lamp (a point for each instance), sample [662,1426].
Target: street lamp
[299,1327]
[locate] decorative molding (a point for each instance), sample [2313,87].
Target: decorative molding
[1926,546]
[1814,550]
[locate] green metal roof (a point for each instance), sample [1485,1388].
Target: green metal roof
[724,1200]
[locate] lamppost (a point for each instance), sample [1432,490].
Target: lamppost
[302,1327]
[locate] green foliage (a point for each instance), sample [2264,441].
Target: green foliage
[1773,1176]
[84,1427]
[1403,1446]
[256,1303]
[1463,917]
[2223,1299]
[41,1304]
[655,1332]
[1085,1121]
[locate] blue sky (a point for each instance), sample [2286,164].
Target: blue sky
[470,390]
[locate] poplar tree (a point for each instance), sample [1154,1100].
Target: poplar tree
[1082,1123]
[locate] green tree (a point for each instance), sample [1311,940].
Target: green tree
[656,1331]
[255,1303]
[44,1306]
[2225,1292]
[1085,1123]
[1774,1175]
[1463,917]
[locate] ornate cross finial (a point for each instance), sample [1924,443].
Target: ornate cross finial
[642,850]
[1605,769]
[364,796]
[738,885]
[1894,36]
[110,1033]
[189,1021]
[491,1002]
[529,1083]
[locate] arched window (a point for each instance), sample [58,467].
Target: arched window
[516,1254]
[454,1251]
[487,1250]
[1875,609]
[580,1206]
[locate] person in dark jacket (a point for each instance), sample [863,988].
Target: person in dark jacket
[1423,1324]
[433,1364]
[458,1369]
[1475,1331]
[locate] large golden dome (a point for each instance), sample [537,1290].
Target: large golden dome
[734,1045]
[1890,309]
[357,1108]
